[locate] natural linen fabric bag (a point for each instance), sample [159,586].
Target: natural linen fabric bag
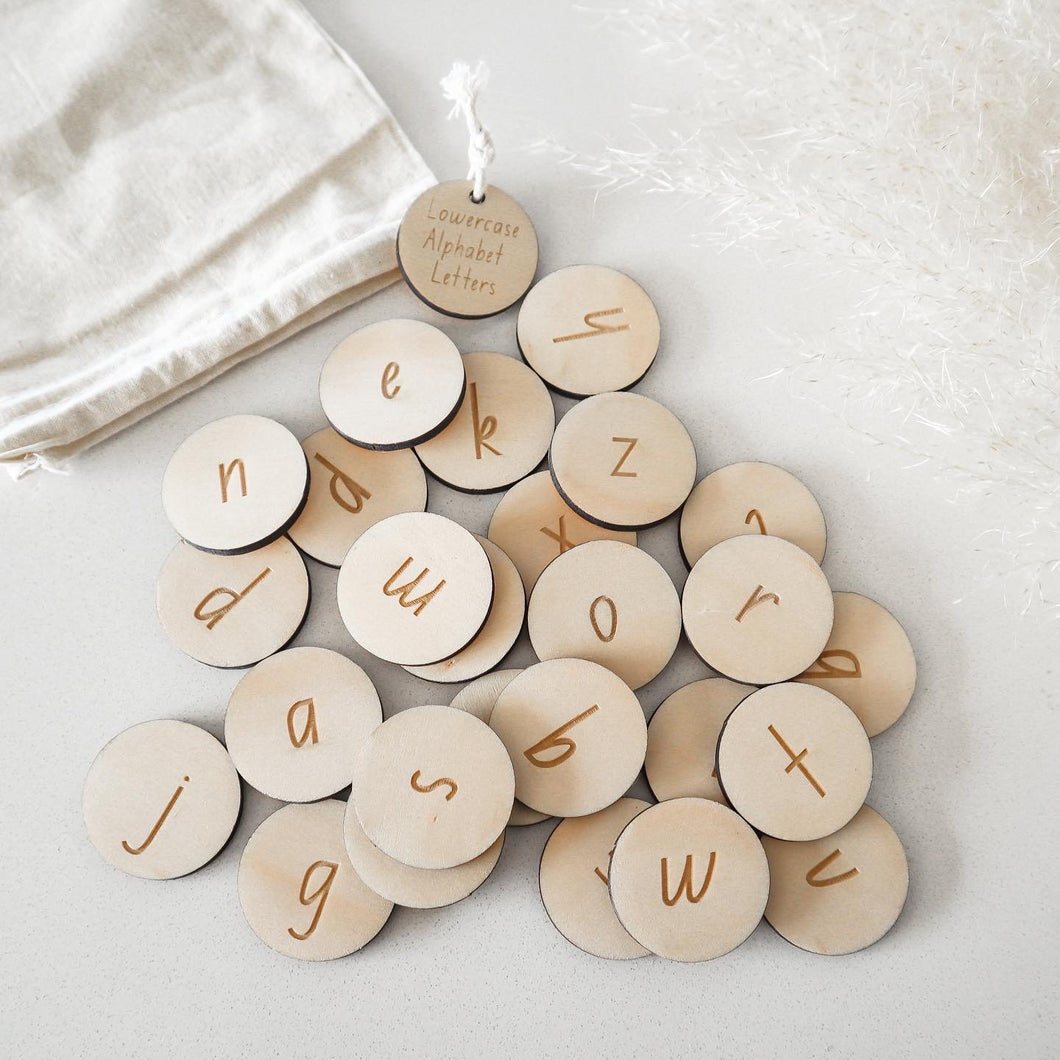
[183,183]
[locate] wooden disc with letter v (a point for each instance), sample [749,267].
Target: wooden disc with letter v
[232,611]
[868,662]
[299,891]
[841,893]
[622,461]
[794,761]
[689,879]
[588,329]
[757,609]
[433,787]
[415,588]
[392,384]
[235,484]
[296,722]
[751,498]
[465,258]
[575,733]
[351,489]
[161,799]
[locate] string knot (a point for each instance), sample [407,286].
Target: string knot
[462,86]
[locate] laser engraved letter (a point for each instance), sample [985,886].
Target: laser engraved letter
[320,893]
[618,473]
[594,327]
[402,591]
[603,875]
[754,513]
[158,824]
[390,373]
[685,883]
[610,635]
[211,618]
[754,600]
[226,475]
[813,881]
[564,541]
[796,761]
[309,730]
[358,494]
[447,781]
[483,428]
[827,669]
[556,739]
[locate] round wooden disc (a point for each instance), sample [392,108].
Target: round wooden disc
[351,489]
[573,881]
[392,384]
[683,739]
[465,258]
[415,588]
[575,733]
[751,498]
[501,432]
[433,787]
[610,603]
[296,722]
[534,525]
[233,611]
[868,662]
[503,625]
[622,461]
[588,329]
[689,879]
[841,893]
[299,892]
[794,761]
[757,609]
[161,800]
[235,484]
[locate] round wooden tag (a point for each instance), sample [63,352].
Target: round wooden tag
[751,498]
[433,787]
[233,611]
[841,893]
[683,739]
[299,892]
[575,733]
[392,384]
[689,879]
[296,722]
[610,603]
[868,662]
[794,761]
[465,258]
[161,800]
[757,609]
[235,484]
[622,461]
[573,881]
[501,432]
[534,525]
[351,489]
[588,329]
[415,588]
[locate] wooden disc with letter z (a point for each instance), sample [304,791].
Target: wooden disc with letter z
[235,484]
[689,879]
[757,609]
[623,461]
[299,892]
[392,384]
[588,329]
[161,799]
[794,761]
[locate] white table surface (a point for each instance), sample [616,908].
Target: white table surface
[99,964]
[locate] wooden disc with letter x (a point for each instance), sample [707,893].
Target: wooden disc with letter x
[161,799]
[794,761]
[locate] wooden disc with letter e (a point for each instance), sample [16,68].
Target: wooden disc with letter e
[161,799]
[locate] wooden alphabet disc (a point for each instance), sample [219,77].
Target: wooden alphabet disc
[392,384]
[299,892]
[757,609]
[235,484]
[296,722]
[433,787]
[689,879]
[573,881]
[622,461]
[161,799]
[610,603]
[232,611]
[465,258]
[588,329]
[575,733]
[415,588]
[794,761]
[351,489]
